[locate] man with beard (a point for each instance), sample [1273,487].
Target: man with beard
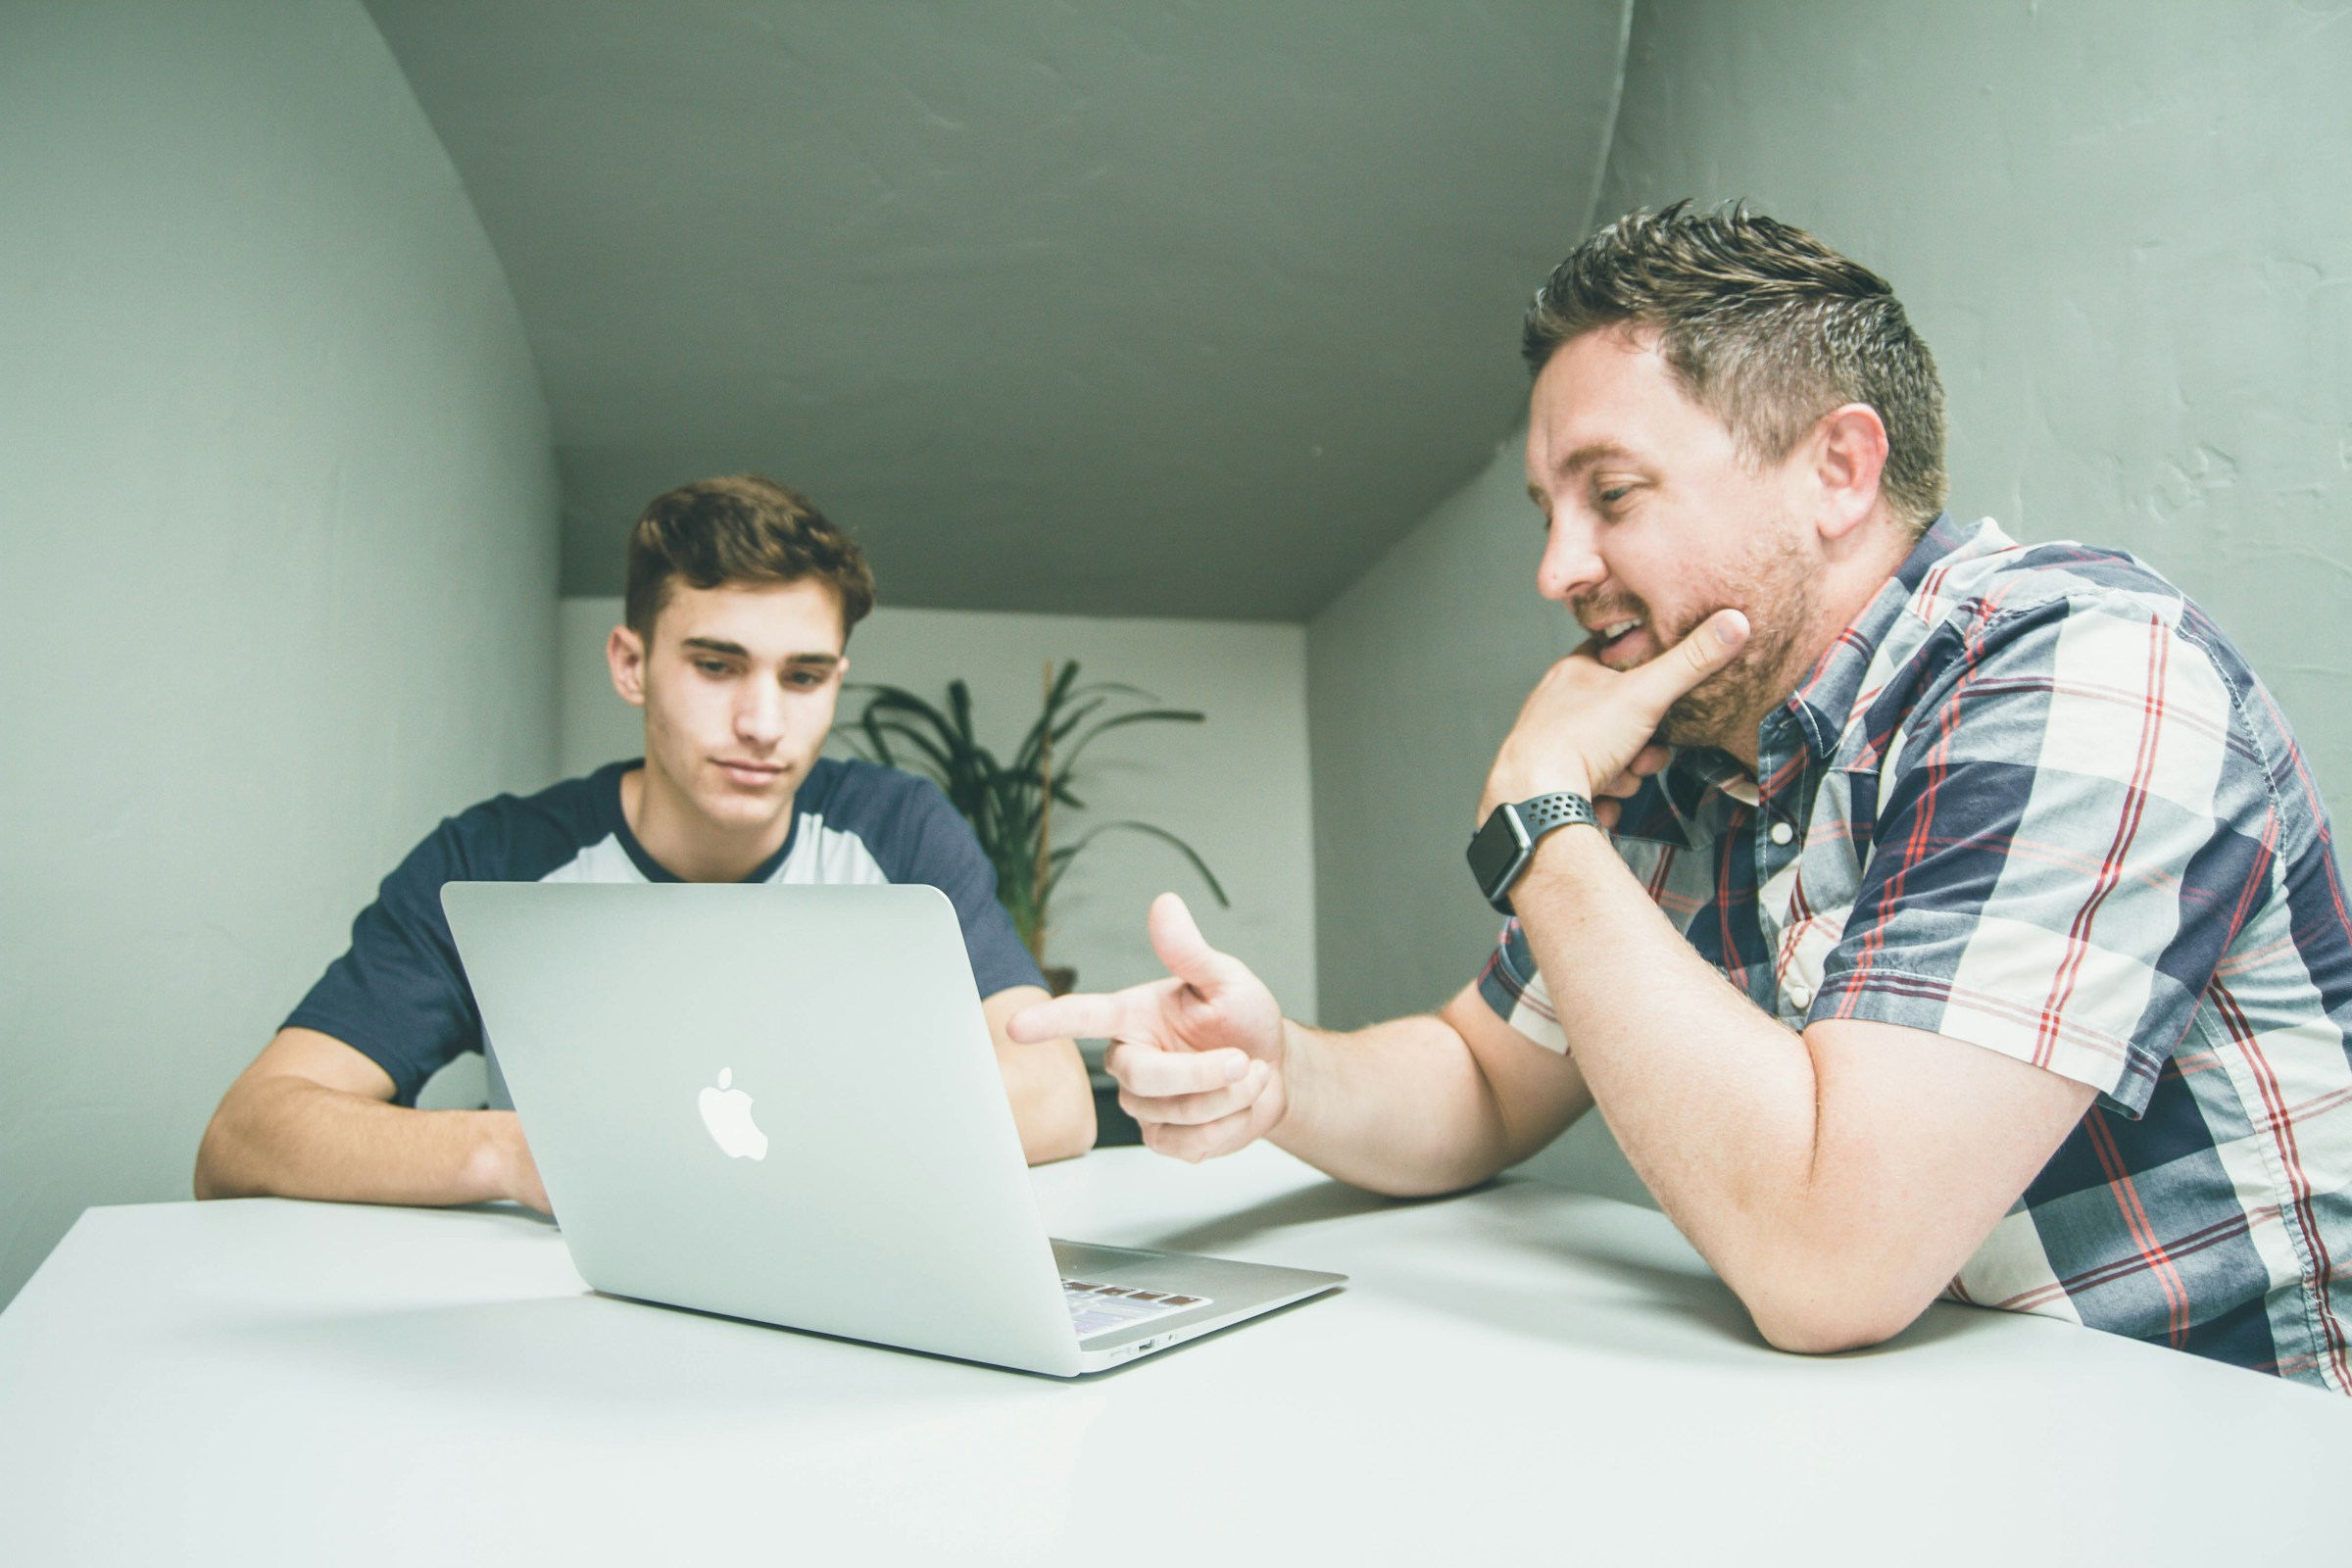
[1924,911]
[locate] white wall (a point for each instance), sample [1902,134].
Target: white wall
[1414,675]
[2121,228]
[280,525]
[1235,787]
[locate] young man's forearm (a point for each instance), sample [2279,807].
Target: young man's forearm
[1052,1101]
[289,1137]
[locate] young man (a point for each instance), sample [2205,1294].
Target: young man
[741,599]
[1925,912]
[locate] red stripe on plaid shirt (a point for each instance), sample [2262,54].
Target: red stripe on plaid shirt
[2111,869]
[2090,1279]
[2281,1124]
[1930,589]
[1734,969]
[2144,1235]
[1658,874]
[1915,847]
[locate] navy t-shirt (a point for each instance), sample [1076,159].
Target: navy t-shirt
[400,996]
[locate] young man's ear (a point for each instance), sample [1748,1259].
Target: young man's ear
[624,653]
[1848,458]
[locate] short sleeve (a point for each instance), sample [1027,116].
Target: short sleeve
[934,846]
[2064,840]
[399,995]
[1510,986]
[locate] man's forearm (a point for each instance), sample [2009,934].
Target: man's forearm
[1712,1101]
[1400,1107]
[289,1137]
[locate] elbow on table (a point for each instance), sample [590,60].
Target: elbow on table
[1062,1129]
[211,1177]
[1824,1323]
[215,1176]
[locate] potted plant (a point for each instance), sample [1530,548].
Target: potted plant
[1011,805]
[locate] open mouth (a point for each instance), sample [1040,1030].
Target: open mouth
[1614,636]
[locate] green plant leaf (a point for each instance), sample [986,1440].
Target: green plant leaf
[878,730]
[1064,856]
[1006,805]
[1033,745]
[1148,715]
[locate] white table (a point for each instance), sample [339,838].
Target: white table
[1518,1371]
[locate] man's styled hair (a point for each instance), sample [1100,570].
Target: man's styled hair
[1762,326]
[739,529]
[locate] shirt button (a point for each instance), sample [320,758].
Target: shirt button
[1781,833]
[1800,998]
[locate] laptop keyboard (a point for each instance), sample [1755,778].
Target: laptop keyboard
[1094,1309]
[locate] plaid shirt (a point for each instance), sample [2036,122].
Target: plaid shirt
[2033,800]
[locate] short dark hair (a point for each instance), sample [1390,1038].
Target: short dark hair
[1762,326]
[741,528]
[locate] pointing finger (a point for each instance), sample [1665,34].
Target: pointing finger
[1072,1017]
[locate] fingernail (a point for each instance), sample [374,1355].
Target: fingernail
[1236,1065]
[1731,628]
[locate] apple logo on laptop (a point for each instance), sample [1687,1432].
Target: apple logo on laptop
[727,1113]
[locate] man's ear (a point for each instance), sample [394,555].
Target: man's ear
[624,654]
[1848,459]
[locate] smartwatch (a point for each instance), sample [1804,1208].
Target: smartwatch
[1500,851]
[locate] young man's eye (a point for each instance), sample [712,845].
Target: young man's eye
[711,668]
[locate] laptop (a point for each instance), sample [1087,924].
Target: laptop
[781,1103]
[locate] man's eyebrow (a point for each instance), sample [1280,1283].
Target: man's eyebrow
[1586,455]
[720,645]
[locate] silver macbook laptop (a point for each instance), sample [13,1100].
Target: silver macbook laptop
[781,1103]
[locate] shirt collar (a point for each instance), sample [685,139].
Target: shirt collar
[1825,704]
[1821,709]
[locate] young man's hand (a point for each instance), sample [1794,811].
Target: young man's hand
[1199,1055]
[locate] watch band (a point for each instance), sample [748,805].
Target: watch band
[1501,850]
[1547,811]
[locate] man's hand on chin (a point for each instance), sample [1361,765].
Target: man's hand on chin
[1592,730]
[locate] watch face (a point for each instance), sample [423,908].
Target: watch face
[1495,851]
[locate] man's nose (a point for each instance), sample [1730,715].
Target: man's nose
[759,713]
[1571,563]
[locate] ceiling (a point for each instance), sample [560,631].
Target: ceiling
[1123,308]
